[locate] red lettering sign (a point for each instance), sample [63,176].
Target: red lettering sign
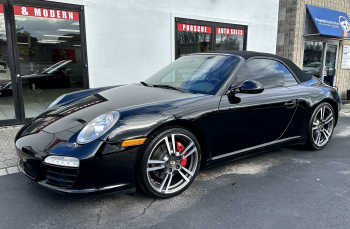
[1,9]
[47,13]
[238,32]
[194,28]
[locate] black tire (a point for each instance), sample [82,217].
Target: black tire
[151,149]
[311,142]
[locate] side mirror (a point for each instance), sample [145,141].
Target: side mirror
[248,87]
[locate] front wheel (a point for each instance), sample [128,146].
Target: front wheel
[169,162]
[321,126]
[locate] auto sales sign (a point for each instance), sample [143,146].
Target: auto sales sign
[330,22]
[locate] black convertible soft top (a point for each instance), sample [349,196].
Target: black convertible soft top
[302,76]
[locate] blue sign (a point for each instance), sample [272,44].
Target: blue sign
[330,22]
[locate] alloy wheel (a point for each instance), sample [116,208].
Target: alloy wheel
[172,163]
[322,126]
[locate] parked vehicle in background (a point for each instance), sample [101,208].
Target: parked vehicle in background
[52,77]
[312,68]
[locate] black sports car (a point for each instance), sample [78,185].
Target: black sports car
[53,77]
[201,110]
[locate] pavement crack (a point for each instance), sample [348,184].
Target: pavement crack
[145,209]
[98,218]
[234,187]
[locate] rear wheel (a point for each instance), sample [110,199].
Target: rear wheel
[321,126]
[169,162]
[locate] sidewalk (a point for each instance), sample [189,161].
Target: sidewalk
[8,159]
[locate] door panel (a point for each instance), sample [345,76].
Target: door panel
[256,119]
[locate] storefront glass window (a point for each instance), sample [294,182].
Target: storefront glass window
[199,36]
[312,62]
[50,57]
[229,39]
[193,38]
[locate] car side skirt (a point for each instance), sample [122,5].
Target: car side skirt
[255,150]
[254,147]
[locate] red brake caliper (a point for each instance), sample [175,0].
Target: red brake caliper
[179,148]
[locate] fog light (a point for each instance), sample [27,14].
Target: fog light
[62,161]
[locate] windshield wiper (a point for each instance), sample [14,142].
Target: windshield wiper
[167,86]
[144,84]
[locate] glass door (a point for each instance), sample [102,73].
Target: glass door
[329,71]
[320,60]
[42,56]
[49,54]
[8,98]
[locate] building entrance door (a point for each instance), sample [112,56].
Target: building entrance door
[330,63]
[320,59]
[48,55]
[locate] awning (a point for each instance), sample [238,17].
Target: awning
[325,22]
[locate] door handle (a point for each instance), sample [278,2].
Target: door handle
[290,103]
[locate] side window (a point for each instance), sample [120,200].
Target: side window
[267,72]
[289,79]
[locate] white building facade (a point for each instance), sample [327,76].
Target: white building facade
[114,42]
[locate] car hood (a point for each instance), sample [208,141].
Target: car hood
[124,97]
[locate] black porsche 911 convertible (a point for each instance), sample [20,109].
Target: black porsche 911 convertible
[201,110]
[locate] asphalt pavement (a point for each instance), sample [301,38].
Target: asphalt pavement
[286,188]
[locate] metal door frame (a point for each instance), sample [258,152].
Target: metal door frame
[13,50]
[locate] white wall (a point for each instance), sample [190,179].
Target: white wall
[128,41]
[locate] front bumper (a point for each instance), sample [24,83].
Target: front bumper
[104,167]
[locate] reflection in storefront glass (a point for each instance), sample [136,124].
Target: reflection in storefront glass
[50,55]
[229,39]
[329,71]
[228,42]
[193,38]
[313,58]
[7,108]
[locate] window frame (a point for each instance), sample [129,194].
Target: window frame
[284,66]
[214,25]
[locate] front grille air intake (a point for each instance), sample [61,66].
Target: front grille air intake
[61,177]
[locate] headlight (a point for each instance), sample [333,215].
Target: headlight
[97,127]
[55,102]
[62,161]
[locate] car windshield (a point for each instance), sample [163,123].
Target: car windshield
[203,74]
